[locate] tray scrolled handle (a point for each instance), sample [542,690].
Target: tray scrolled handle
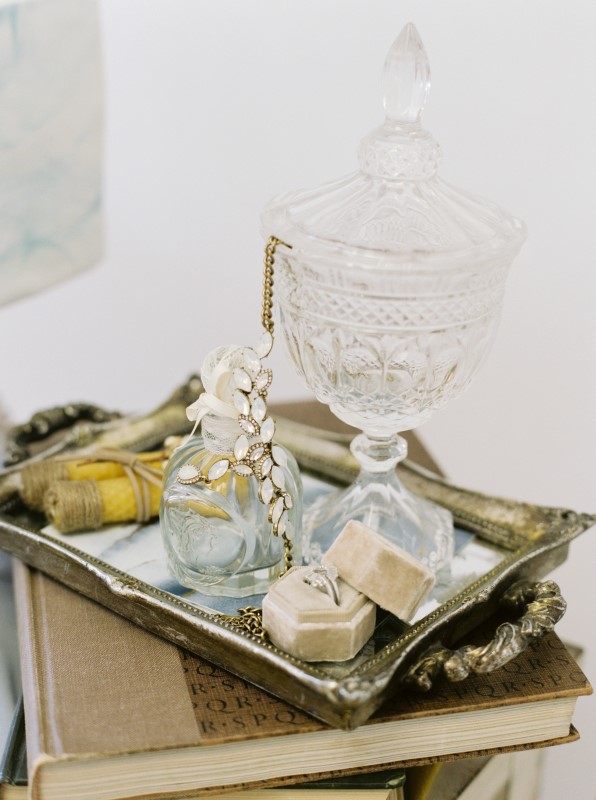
[542,606]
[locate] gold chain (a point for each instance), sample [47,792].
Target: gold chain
[249,620]
[268,324]
[269,261]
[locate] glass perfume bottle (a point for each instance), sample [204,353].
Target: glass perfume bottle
[231,508]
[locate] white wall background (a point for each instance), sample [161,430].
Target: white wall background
[212,107]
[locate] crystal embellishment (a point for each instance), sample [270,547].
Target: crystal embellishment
[263,380]
[248,425]
[243,470]
[241,447]
[289,503]
[218,469]
[188,474]
[259,409]
[265,344]
[241,402]
[242,380]
[277,510]
[252,363]
[266,491]
[256,452]
[268,430]
[278,477]
[266,465]
[282,523]
[279,455]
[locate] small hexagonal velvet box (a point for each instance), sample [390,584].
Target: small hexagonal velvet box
[307,623]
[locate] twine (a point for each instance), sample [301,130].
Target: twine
[74,506]
[37,478]
[138,473]
[133,463]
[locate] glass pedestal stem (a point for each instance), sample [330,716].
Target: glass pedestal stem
[379,454]
[379,500]
[378,457]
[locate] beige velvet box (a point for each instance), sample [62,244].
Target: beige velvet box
[381,570]
[305,622]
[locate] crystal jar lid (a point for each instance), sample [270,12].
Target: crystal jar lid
[395,210]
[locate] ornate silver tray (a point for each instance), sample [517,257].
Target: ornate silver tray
[504,547]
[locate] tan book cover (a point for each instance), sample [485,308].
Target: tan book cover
[114,712]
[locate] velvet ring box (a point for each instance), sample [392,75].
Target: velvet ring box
[380,569]
[307,622]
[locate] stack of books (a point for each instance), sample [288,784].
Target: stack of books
[112,712]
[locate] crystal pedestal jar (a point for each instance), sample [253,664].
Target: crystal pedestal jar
[389,294]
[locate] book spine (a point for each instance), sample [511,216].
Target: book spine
[32,674]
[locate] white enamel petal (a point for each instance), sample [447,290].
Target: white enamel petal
[218,469]
[266,466]
[278,477]
[278,508]
[255,454]
[251,361]
[242,380]
[266,491]
[241,447]
[242,469]
[282,523]
[279,455]
[241,402]
[268,430]
[247,426]
[265,344]
[288,500]
[188,473]
[258,409]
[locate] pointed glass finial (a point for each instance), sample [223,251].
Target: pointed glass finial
[406,77]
